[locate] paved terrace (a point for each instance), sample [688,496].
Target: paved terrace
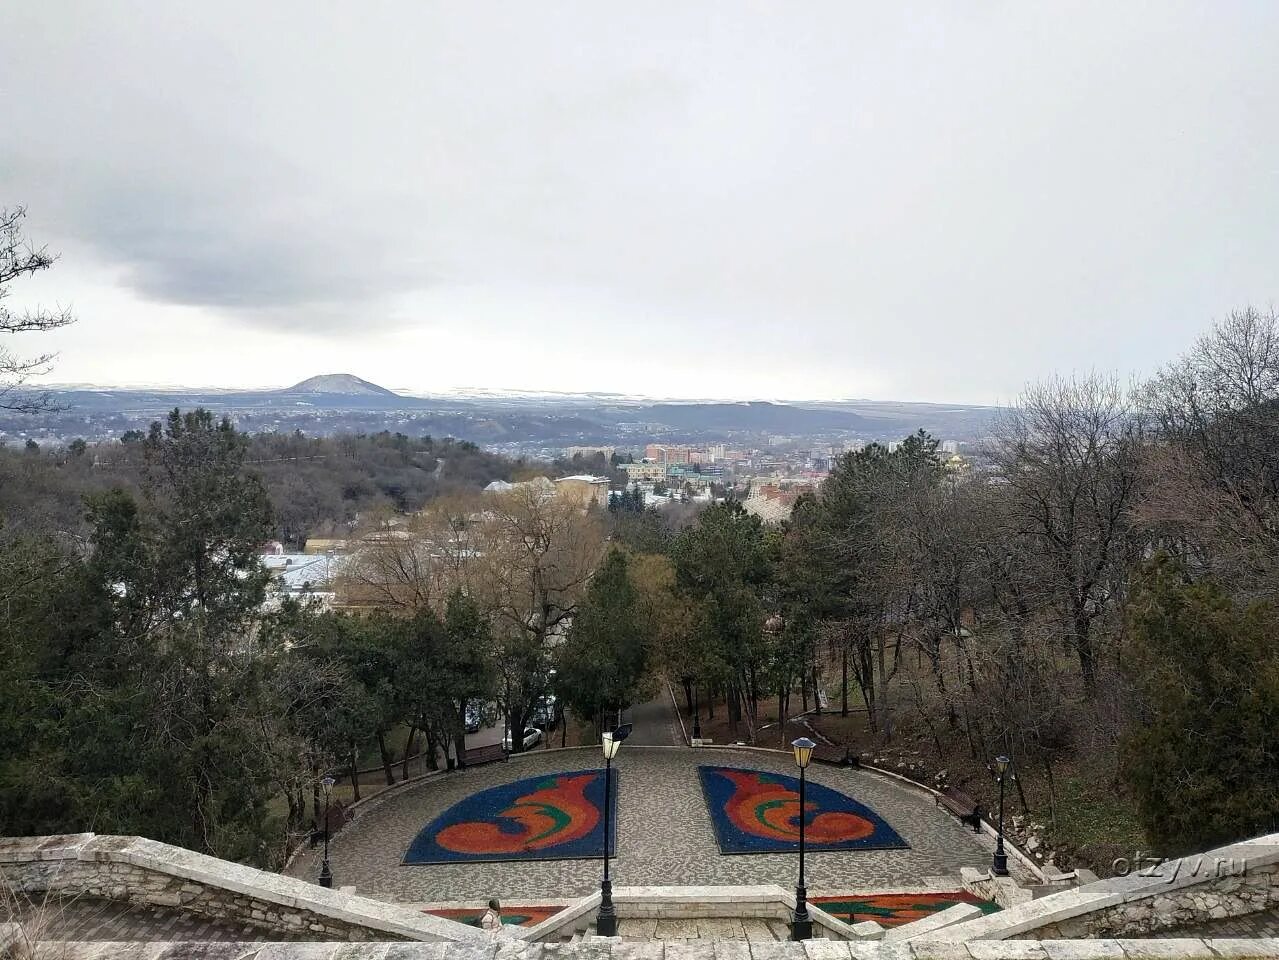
[664,834]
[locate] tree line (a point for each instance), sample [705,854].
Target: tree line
[1098,586]
[318,486]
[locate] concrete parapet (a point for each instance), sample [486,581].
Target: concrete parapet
[613,948]
[137,870]
[1230,881]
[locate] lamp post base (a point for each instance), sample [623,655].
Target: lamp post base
[326,874]
[801,925]
[606,919]
[999,864]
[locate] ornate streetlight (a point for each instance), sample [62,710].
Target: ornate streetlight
[326,874]
[801,927]
[999,862]
[606,920]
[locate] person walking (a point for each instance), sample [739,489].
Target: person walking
[491,922]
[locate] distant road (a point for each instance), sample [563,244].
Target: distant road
[655,723]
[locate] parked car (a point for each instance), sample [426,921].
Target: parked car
[532,737]
[472,718]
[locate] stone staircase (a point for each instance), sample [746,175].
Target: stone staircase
[637,930]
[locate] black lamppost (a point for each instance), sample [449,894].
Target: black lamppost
[999,862]
[697,720]
[606,921]
[326,874]
[801,927]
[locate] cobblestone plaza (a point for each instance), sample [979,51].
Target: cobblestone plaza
[665,835]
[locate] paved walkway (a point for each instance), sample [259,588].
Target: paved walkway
[655,724]
[664,835]
[86,919]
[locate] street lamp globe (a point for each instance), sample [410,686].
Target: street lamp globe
[610,745]
[803,751]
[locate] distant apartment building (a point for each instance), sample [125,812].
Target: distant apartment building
[583,489]
[645,471]
[671,455]
[605,452]
[950,446]
[679,476]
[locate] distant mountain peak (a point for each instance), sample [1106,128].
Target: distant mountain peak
[340,383]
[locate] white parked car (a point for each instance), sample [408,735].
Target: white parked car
[532,737]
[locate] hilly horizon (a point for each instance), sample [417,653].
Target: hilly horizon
[335,401]
[342,384]
[350,385]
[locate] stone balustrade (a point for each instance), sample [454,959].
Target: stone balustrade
[141,871]
[691,903]
[613,948]
[1230,881]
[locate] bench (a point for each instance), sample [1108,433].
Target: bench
[478,755]
[965,808]
[835,755]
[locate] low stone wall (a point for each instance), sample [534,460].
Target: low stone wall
[1004,891]
[760,901]
[1230,881]
[141,871]
[613,948]
[1229,896]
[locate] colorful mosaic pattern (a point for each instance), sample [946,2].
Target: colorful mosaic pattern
[516,916]
[894,909]
[552,817]
[758,812]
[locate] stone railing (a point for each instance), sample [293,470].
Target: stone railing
[689,904]
[141,871]
[1230,881]
[613,948]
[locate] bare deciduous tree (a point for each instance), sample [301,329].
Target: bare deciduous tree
[1214,477]
[1068,454]
[19,258]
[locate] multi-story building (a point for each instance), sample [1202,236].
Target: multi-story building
[670,455]
[647,470]
[584,489]
[572,452]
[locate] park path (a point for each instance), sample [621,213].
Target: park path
[655,723]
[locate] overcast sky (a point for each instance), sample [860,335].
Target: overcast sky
[785,200]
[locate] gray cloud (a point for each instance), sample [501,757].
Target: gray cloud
[949,195]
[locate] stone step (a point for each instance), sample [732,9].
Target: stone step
[779,929]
